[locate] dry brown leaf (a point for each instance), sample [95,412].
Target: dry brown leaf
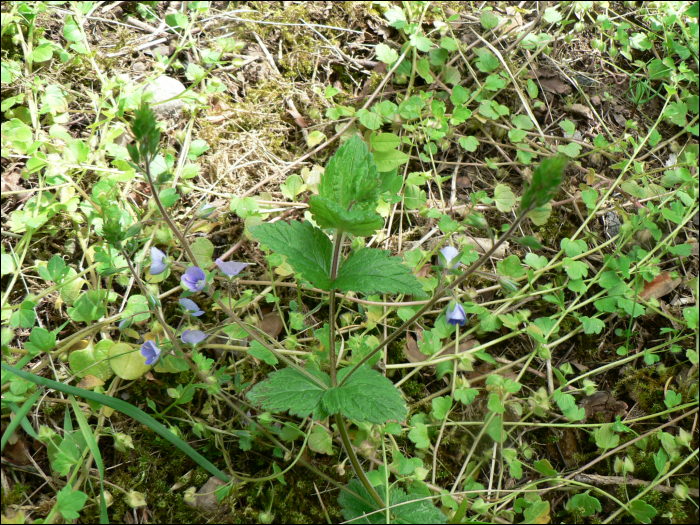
[603,405]
[89,382]
[463,181]
[580,109]
[661,285]
[410,349]
[16,452]
[272,324]
[554,85]
[298,119]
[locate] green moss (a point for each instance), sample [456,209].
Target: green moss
[16,496]
[413,388]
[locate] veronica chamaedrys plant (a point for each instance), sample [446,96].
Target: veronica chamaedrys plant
[159,261]
[151,352]
[348,196]
[194,279]
[190,307]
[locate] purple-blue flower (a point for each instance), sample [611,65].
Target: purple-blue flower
[194,279]
[448,257]
[455,315]
[193,337]
[158,264]
[206,210]
[230,268]
[191,307]
[150,351]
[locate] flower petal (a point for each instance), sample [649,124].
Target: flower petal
[194,279]
[150,351]
[448,253]
[230,268]
[456,316]
[158,264]
[191,307]
[193,337]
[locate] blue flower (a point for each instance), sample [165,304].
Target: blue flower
[125,323]
[159,263]
[448,257]
[194,279]
[206,210]
[150,351]
[193,337]
[455,315]
[231,268]
[191,307]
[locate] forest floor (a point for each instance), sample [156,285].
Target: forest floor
[569,395]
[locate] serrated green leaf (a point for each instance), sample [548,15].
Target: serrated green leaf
[351,179]
[441,407]
[288,390]
[371,120]
[423,69]
[591,325]
[488,20]
[69,503]
[419,435]
[573,248]
[469,143]
[510,267]
[487,62]
[570,150]
[320,440]
[390,160]
[306,247]
[331,215]
[366,396]
[459,95]
[586,504]
[538,512]
[386,54]
[263,354]
[40,340]
[504,198]
[25,316]
[642,511]
[371,270]
[568,127]
[516,135]
[92,360]
[494,83]
[545,467]
[495,429]
[522,122]
[168,197]
[532,88]
[385,142]
[357,506]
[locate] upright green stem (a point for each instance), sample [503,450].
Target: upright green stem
[340,423]
[166,217]
[337,245]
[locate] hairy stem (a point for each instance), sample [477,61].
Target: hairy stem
[355,462]
[337,245]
